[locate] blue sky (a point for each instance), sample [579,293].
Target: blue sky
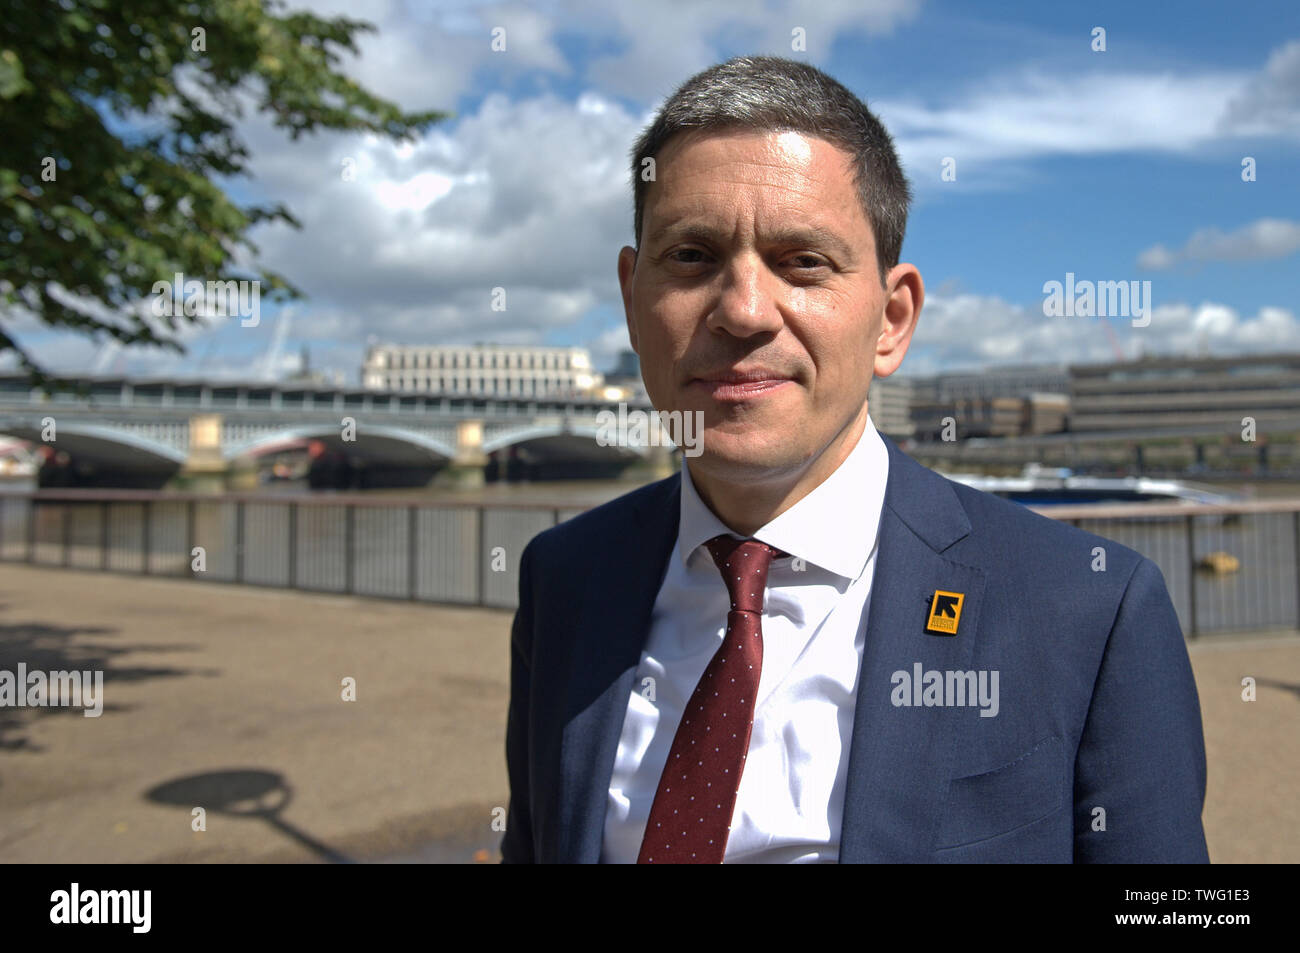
[1115,165]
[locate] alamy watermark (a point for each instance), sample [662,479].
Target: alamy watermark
[948,689]
[130,907]
[1098,299]
[59,689]
[210,299]
[658,428]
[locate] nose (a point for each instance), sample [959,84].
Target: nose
[746,305]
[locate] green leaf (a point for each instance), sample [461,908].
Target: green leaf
[89,230]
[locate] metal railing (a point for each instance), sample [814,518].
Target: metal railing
[389,547]
[468,553]
[1262,538]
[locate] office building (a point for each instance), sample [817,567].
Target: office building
[1186,392]
[488,370]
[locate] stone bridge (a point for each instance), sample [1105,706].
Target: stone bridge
[150,431]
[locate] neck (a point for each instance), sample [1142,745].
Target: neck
[747,506]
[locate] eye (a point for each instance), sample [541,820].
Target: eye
[807,261]
[673,256]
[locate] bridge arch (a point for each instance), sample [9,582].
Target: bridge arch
[99,442]
[381,442]
[99,454]
[550,431]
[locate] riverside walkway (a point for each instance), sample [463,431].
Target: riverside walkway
[230,699]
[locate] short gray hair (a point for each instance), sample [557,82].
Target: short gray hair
[771,94]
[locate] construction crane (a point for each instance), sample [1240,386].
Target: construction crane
[1114,341]
[107,354]
[272,356]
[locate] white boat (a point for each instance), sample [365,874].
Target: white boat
[1045,486]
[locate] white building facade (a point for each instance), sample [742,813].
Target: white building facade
[889,402]
[488,370]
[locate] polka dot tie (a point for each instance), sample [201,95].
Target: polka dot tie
[690,819]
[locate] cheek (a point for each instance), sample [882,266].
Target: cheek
[657,356]
[667,333]
[828,336]
[656,345]
[842,358]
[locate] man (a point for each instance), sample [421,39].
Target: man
[806,646]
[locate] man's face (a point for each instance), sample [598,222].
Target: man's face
[755,297]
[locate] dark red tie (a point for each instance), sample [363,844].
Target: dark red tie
[690,819]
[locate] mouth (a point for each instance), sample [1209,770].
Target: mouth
[738,385]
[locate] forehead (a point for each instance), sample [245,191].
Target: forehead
[771,176]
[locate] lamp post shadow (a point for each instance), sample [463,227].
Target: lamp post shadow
[242,793]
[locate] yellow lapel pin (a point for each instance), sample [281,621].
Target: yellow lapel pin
[945,612]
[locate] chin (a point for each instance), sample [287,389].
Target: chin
[752,455]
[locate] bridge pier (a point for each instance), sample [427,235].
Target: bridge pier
[466,470]
[205,469]
[659,462]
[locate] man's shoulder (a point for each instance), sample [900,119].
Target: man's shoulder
[991,510]
[623,519]
[1038,549]
[1014,538]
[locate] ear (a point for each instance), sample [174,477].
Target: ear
[626,272]
[905,295]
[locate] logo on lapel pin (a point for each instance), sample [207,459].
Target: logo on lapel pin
[945,612]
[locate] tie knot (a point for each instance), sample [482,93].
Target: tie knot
[743,564]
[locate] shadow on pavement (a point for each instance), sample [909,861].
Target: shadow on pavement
[53,648]
[1291,687]
[248,792]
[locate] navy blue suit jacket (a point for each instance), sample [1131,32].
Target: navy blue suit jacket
[1095,754]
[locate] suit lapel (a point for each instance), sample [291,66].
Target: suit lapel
[609,637]
[899,757]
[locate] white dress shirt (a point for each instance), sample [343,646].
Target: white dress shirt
[791,797]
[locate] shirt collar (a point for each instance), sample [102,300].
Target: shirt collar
[834,527]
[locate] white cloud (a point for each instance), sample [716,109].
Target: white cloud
[1156,258]
[1270,101]
[1218,329]
[1033,114]
[607,345]
[530,196]
[993,132]
[971,330]
[426,58]
[1264,239]
[996,125]
[661,45]
[416,193]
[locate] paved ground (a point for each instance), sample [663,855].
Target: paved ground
[229,698]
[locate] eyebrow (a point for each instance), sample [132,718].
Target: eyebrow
[806,235]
